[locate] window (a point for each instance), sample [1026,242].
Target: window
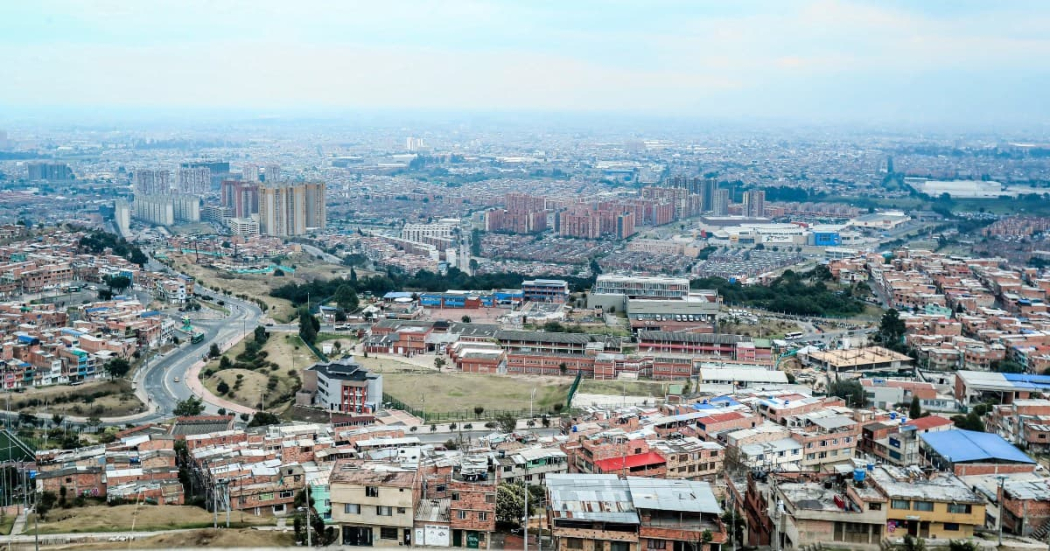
[900,504]
[573,543]
[656,544]
[384,511]
[440,488]
[388,533]
[483,516]
[874,506]
[922,505]
[461,515]
[351,508]
[371,491]
[400,510]
[714,453]
[490,498]
[951,526]
[959,508]
[455,496]
[287,493]
[619,546]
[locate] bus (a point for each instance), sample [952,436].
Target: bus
[197,338]
[793,336]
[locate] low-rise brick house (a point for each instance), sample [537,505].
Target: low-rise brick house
[691,458]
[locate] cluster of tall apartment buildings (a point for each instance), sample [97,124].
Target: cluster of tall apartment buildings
[189,180]
[617,218]
[270,208]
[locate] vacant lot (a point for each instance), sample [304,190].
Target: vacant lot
[449,392]
[109,398]
[224,539]
[256,286]
[102,518]
[259,285]
[763,329]
[280,349]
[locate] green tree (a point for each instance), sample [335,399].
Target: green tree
[263,418]
[850,391]
[213,350]
[307,329]
[117,367]
[222,387]
[465,319]
[478,410]
[346,298]
[188,407]
[439,362]
[915,411]
[507,422]
[225,363]
[891,327]
[117,284]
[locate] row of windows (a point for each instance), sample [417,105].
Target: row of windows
[834,442]
[956,508]
[381,510]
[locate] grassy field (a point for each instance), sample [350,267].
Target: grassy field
[281,350]
[102,518]
[259,285]
[6,524]
[110,398]
[456,392]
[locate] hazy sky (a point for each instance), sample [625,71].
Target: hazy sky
[820,60]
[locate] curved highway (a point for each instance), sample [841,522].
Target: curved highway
[155,383]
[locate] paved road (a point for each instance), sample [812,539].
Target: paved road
[158,378]
[331,259]
[155,384]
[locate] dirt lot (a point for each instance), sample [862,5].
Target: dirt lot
[764,329]
[281,349]
[102,518]
[223,539]
[110,398]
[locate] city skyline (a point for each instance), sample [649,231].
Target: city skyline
[815,61]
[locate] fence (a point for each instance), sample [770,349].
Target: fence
[466,415]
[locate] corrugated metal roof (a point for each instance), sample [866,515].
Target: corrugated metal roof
[963,445]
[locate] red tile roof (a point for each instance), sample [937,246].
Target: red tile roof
[614,464]
[929,422]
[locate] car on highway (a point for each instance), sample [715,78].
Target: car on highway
[176,379]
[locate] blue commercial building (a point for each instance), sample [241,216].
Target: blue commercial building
[827,239]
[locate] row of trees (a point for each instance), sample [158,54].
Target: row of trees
[790,293]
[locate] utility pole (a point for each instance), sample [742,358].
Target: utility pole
[525,485]
[531,399]
[1001,480]
[309,510]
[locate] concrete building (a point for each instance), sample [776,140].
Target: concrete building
[612,290]
[289,209]
[246,227]
[241,197]
[155,209]
[152,182]
[373,505]
[49,171]
[938,505]
[721,203]
[343,385]
[193,181]
[545,290]
[122,216]
[755,203]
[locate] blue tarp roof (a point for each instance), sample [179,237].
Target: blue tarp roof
[1028,380]
[98,309]
[965,445]
[149,314]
